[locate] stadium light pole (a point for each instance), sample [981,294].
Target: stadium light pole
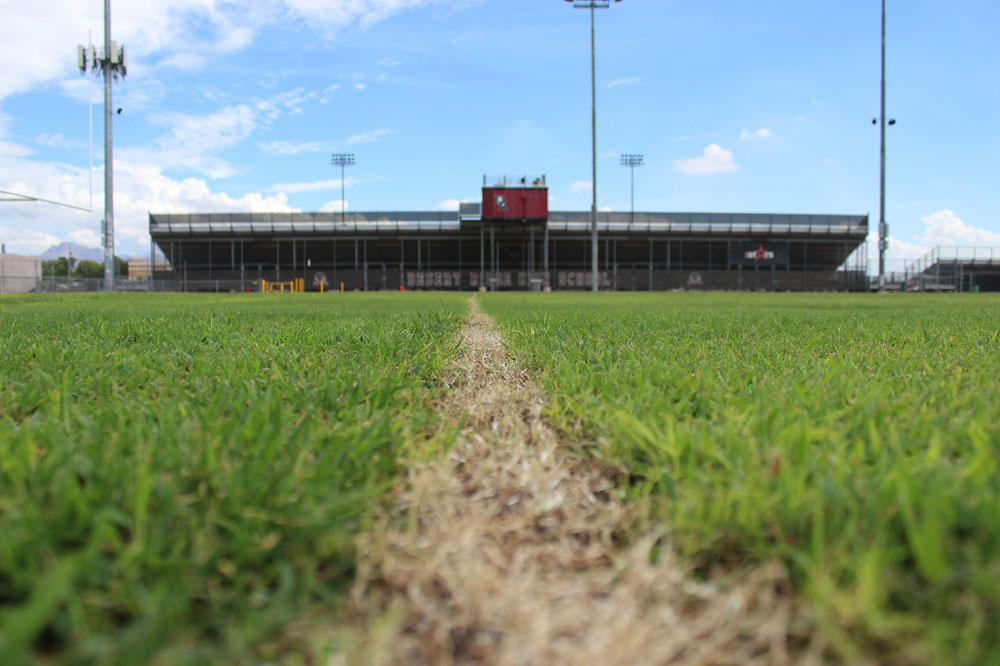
[592,5]
[342,160]
[883,228]
[632,160]
[112,62]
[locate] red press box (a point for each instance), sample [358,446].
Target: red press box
[529,202]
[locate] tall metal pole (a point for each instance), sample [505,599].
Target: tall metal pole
[90,123]
[342,160]
[593,5]
[109,207]
[632,160]
[882,230]
[593,144]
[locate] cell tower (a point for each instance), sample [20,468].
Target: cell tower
[112,62]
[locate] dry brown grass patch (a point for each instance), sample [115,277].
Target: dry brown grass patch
[508,552]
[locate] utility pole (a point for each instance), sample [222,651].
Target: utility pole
[592,5]
[113,62]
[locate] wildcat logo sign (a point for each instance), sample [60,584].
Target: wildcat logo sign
[758,254]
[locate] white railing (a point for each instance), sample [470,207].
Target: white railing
[956,254]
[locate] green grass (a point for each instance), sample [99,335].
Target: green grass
[182,477]
[856,438]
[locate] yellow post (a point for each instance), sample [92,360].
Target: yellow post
[341,286]
[263,286]
[321,285]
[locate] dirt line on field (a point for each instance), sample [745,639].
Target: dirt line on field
[507,552]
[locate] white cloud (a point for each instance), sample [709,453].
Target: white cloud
[39,36]
[714,159]
[370,136]
[140,94]
[289,101]
[310,186]
[898,256]
[448,204]
[84,237]
[900,249]
[360,86]
[946,228]
[762,133]
[628,81]
[59,141]
[389,62]
[26,241]
[328,92]
[8,149]
[942,228]
[293,147]
[193,140]
[605,209]
[580,186]
[139,189]
[186,61]
[335,206]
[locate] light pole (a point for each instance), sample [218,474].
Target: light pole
[113,62]
[632,160]
[883,228]
[592,5]
[342,160]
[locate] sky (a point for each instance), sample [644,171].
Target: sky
[737,106]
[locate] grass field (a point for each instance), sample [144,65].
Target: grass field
[181,477]
[855,438]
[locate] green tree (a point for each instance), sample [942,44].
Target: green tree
[88,269]
[56,267]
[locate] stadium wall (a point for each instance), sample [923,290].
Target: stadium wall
[19,274]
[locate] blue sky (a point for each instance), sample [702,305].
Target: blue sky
[737,106]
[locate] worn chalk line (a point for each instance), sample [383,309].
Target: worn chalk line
[507,552]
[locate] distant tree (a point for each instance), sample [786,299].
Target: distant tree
[88,269]
[56,267]
[50,266]
[82,269]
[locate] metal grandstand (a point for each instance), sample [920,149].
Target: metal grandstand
[955,268]
[463,249]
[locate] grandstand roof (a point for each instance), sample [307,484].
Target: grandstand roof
[641,223]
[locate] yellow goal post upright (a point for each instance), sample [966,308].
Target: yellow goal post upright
[296,286]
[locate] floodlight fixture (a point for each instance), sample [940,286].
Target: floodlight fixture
[112,63]
[632,160]
[342,160]
[592,5]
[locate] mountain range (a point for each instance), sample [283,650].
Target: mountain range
[79,252]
